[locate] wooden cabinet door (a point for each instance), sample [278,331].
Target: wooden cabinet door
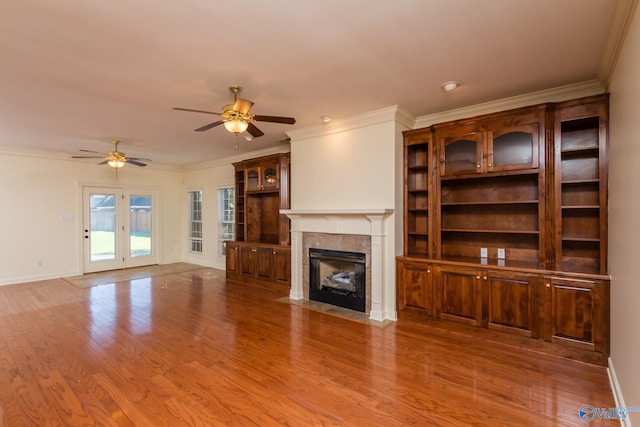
[264,263]
[462,154]
[282,265]
[252,178]
[459,294]
[270,177]
[415,287]
[575,313]
[509,302]
[248,261]
[513,148]
[264,176]
[232,260]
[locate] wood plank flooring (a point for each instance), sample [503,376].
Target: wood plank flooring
[189,349]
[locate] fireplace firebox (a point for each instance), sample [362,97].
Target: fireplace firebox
[338,278]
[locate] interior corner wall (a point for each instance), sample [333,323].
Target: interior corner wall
[624,217]
[39,219]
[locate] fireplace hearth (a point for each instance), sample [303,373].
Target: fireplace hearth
[338,278]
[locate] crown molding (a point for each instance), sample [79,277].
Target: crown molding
[227,161]
[621,22]
[558,94]
[383,115]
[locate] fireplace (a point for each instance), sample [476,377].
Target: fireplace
[356,230]
[338,278]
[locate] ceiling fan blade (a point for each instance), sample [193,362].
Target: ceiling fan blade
[90,151]
[139,159]
[196,111]
[242,105]
[254,131]
[133,162]
[87,157]
[275,119]
[104,162]
[209,126]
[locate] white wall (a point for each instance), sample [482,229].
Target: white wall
[624,218]
[352,169]
[353,164]
[209,180]
[37,192]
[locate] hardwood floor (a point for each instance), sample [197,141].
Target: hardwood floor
[190,349]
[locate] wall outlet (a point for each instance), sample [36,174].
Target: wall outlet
[483,253]
[501,253]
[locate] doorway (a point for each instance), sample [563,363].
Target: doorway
[118,229]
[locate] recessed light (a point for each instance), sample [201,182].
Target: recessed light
[326,119]
[449,86]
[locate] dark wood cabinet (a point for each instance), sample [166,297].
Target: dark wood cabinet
[232,259]
[262,190]
[510,302]
[576,313]
[459,294]
[507,211]
[418,288]
[418,215]
[499,142]
[581,186]
[251,261]
[261,250]
[262,175]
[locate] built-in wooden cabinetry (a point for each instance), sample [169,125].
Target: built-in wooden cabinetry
[505,225]
[258,261]
[261,250]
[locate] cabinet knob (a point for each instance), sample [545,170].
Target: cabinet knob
[428,271]
[477,277]
[274,252]
[490,165]
[478,166]
[485,277]
[548,285]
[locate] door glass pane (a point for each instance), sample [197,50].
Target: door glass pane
[140,226]
[253,179]
[102,208]
[460,155]
[513,148]
[270,178]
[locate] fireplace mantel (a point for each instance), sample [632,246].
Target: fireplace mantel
[369,222]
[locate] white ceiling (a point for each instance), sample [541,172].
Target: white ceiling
[75,74]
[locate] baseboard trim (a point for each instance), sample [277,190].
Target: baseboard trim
[617,392]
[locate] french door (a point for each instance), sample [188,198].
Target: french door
[118,229]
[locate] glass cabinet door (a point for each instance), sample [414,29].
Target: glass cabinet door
[514,148]
[252,179]
[270,178]
[462,154]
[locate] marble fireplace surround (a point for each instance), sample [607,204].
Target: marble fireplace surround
[361,230]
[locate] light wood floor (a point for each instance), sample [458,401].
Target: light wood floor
[190,349]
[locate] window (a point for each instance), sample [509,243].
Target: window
[226,217]
[195,221]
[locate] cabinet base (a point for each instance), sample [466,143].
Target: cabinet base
[418,316]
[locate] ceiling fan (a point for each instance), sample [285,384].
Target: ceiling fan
[116,159]
[237,118]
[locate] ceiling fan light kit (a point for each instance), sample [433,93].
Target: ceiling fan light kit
[236,117]
[116,159]
[236,125]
